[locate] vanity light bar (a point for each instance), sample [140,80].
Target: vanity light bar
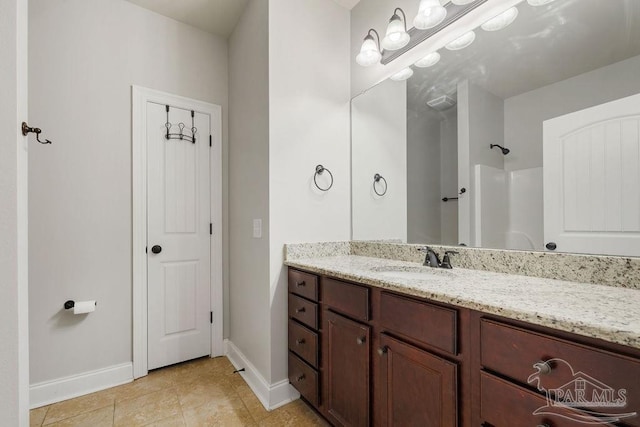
[454,13]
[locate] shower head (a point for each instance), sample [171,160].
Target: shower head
[505,151]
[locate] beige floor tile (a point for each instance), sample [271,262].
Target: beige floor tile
[36,416]
[253,404]
[98,418]
[175,421]
[140,387]
[79,405]
[294,414]
[196,394]
[147,409]
[223,412]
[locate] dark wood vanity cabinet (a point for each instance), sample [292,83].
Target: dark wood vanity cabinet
[346,369]
[417,387]
[365,356]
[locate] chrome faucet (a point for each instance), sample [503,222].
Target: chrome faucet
[431,258]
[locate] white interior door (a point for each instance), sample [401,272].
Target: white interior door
[592,179]
[178,226]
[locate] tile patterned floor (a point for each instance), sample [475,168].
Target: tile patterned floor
[203,392]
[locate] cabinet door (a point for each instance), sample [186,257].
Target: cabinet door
[418,388]
[346,352]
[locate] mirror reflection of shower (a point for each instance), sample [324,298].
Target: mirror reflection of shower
[505,151]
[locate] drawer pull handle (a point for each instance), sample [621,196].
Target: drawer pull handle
[299,284]
[361,340]
[300,341]
[300,378]
[543,367]
[383,350]
[300,310]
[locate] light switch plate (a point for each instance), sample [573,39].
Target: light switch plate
[257,228]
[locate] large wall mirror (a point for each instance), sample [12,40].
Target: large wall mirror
[527,139]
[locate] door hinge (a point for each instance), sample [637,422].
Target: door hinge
[211,317]
[209,140]
[211,228]
[146,249]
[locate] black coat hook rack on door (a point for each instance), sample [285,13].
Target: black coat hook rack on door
[26,129]
[181,126]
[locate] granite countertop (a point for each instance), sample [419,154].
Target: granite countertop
[608,313]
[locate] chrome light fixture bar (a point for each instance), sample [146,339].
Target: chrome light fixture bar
[454,13]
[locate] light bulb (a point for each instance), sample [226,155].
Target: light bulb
[369,52]
[403,74]
[430,14]
[396,36]
[428,61]
[501,21]
[462,41]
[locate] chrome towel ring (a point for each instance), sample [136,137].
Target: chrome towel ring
[319,171]
[376,179]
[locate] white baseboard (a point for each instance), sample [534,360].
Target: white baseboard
[60,389]
[271,396]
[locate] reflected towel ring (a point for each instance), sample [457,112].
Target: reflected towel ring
[377,178]
[319,171]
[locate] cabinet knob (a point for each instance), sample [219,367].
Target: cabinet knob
[543,367]
[543,425]
[300,310]
[383,350]
[361,340]
[300,284]
[300,378]
[300,341]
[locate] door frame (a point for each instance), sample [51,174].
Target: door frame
[140,97]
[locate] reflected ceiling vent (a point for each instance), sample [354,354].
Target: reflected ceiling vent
[441,103]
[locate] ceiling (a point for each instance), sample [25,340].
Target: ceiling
[217,17]
[544,45]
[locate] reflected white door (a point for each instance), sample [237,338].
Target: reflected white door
[592,179]
[178,210]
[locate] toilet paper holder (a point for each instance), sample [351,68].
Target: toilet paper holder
[68,305]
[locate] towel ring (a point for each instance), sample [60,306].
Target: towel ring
[319,171]
[376,179]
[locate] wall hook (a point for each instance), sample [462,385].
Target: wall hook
[26,130]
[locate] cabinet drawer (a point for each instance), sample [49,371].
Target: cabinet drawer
[349,299]
[303,378]
[424,322]
[303,342]
[303,284]
[503,404]
[562,365]
[304,311]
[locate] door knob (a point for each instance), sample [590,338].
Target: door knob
[551,246]
[156,249]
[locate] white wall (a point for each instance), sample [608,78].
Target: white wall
[449,176]
[14,351]
[308,125]
[525,113]
[249,184]
[423,180]
[84,57]
[379,145]
[491,207]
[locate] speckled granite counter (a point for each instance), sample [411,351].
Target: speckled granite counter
[609,313]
